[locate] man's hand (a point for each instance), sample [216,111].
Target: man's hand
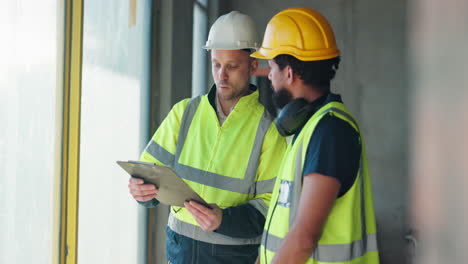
[318,196]
[208,219]
[140,191]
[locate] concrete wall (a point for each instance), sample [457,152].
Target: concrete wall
[373,81]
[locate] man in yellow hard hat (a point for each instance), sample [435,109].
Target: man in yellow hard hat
[225,146]
[321,209]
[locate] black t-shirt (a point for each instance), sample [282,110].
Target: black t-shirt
[334,148]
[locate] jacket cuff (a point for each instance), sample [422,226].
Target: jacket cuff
[150,203]
[243,221]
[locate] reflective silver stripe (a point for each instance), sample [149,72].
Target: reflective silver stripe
[160,153]
[260,205]
[213,179]
[333,253]
[195,232]
[247,185]
[360,176]
[346,252]
[265,186]
[187,118]
[360,173]
[297,186]
[223,182]
[254,159]
[363,204]
[341,112]
[208,178]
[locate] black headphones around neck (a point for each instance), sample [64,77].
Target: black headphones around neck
[293,116]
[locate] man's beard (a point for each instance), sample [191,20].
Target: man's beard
[281,98]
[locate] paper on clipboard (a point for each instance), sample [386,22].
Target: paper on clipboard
[172,189]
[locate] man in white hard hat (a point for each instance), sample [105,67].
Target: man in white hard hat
[225,146]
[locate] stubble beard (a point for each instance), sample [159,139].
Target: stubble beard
[232,94]
[281,97]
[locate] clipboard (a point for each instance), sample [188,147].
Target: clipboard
[172,189]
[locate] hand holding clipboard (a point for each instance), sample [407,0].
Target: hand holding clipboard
[172,189]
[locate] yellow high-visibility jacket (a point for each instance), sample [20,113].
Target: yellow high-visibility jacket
[228,165]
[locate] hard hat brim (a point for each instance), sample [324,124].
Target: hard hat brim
[228,48]
[268,54]
[259,55]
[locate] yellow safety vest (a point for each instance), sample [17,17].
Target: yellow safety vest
[349,234]
[229,165]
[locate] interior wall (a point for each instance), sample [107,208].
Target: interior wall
[373,82]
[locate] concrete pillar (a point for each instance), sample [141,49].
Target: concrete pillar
[439,125]
[171,82]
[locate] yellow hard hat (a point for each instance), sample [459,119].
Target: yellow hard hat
[300,32]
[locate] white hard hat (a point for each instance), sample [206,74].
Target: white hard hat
[231,32]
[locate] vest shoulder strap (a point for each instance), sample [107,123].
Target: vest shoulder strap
[187,118]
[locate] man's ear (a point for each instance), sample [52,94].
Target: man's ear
[253,65]
[290,75]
